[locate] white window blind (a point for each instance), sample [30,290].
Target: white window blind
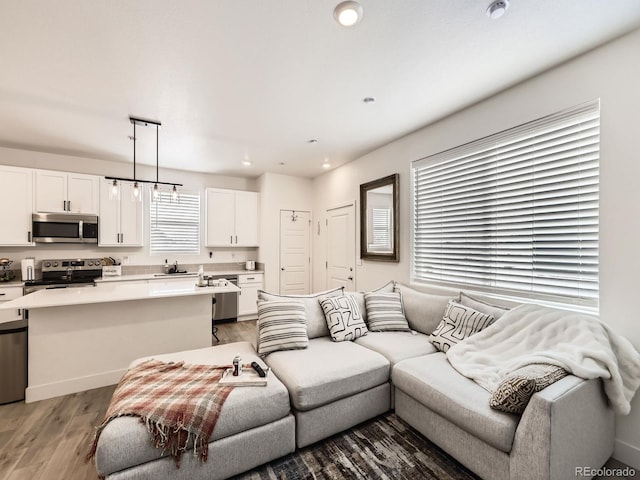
[381,229]
[514,212]
[175,226]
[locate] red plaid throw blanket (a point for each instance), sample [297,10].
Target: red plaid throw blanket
[179,403]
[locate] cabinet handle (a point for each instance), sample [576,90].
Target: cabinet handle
[236,239]
[29,237]
[2,294]
[64,205]
[122,238]
[250,278]
[68,205]
[231,239]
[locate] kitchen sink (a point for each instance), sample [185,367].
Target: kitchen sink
[182,274]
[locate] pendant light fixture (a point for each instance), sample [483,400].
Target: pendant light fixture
[137,183]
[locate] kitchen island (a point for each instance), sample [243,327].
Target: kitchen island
[84,338]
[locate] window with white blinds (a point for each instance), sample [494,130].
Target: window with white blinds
[382,229]
[175,226]
[514,213]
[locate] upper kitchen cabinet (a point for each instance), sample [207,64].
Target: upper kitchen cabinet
[120,217]
[62,192]
[232,218]
[16,206]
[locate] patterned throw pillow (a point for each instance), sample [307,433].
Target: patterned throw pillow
[385,312]
[281,326]
[458,323]
[343,318]
[515,391]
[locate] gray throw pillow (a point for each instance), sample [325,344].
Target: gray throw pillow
[459,322]
[424,311]
[316,324]
[496,310]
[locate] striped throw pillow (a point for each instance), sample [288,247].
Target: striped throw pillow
[458,323]
[385,312]
[281,326]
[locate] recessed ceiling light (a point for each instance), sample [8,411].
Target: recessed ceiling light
[247,163]
[326,164]
[497,9]
[348,13]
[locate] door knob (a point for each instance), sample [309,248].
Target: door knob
[282,269]
[350,278]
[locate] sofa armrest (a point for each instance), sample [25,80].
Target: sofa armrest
[565,426]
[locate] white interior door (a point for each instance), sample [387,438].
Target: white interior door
[341,247]
[295,257]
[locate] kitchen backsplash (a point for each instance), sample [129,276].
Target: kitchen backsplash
[145,269]
[189,267]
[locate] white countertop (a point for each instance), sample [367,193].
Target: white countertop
[112,292]
[163,276]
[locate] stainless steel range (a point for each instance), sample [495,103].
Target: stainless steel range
[76,272]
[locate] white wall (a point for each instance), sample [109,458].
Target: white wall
[278,192]
[611,73]
[192,181]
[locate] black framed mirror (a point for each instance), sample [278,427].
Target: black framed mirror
[379,219]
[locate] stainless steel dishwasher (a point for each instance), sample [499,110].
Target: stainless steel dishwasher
[225,305]
[13,361]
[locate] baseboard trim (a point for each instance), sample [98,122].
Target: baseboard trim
[627,454]
[79,384]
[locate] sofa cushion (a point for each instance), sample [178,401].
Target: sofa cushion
[432,381]
[424,311]
[514,392]
[316,324]
[125,441]
[397,346]
[384,312]
[281,326]
[343,318]
[327,371]
[485,307]
[458,323]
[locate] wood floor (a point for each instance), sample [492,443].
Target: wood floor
[48,440]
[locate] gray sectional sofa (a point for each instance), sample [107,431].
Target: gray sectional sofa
[330,386]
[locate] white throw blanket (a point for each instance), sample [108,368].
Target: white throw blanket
[581,344]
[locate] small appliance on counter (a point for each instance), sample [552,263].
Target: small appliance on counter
[250,265]
[28,269]
[6,274]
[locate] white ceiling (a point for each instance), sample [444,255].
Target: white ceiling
[257,79]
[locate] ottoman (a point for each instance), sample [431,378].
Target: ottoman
[333,386]
[255,426]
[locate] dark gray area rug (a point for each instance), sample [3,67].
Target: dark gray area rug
[382,448]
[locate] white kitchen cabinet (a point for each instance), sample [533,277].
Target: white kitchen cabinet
[16,206]
[231,218]
[247,300]
[9,293]
[120,219]
[64,192]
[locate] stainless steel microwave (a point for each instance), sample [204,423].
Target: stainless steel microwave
[64,228]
